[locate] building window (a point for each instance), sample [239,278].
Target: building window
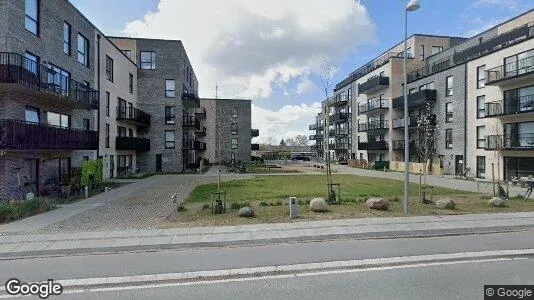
[448,112]
[422,54]
[129,160]
[130,83]
[481,167]
[448,138]
[234,143]
[107,135]
[170,87]
[109,68]
[481,76]
[234,112]
[83,50]
[349,94]
[31,62]
[481,106]
[481,137]
[170,115]
[66,38]
[31,114]
[128,53]
[436,49]
[56,119]
[59,78]
[121,131]
[448,86]
[107,103]
[169,139]
[86,124]
[234,128]
[31,21]
[130,132]
[148,60]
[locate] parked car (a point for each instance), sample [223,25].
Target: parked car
[343,161]
[301,158]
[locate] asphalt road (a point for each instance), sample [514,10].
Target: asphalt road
[177,261]
[455,281]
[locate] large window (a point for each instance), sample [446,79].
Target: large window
[448,112]
[448,138]
[130,83]
[31,21]
[109,68]
[66,38]
[170,115]
[481,106]
[121,131]
[448,86]
[422,53]
[170,88]
[170,142]
[481,167]
[56,119]
[83,50]
[481,137]
[234,143]
[148,60]
[31,114]
[481,76]
[31,62]
[107,135]
[107,103]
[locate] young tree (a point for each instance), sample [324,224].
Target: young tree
[428,131]
[291,142]
[3,137]
[497,144]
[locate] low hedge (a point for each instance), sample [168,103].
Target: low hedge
[23,209]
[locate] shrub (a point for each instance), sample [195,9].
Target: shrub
[23,209]
[91,170]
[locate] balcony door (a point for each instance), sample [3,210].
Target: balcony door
[111,166]
[122,108]
[59,79]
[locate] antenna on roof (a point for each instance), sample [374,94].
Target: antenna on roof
[216,91]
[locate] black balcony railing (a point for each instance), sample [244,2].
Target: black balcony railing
[522,141]
[339,117]
[373,125]
[339,146]
[416,145]
[133,115]
[15,68]
[132,143]
[200,112]
[193,145]
[415,121]
[190,97]
[376,145]
[375,104]
[512,106]
[201,131]
[417,99]
[511,70]
[255,132]
[255,147]
[373,84]
[21,135]
[340,132]
[339,101]
[191,121]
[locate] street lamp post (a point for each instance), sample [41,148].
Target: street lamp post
[412,6]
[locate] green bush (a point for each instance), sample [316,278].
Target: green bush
[23,209]
[91,169]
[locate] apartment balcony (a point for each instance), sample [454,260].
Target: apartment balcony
[132,143]
[522,141]
[133,116]
[376,105]
[190,122]
[339,117]
[416,100]
[338,101]
[200,113]
[255,147]
[339,146]
[40,81]
[512,73]
[373,126]
[510,107]
[201,131]
[255,133]
[193,145]
[415,146]
[190,98]
[312,127]
[373,85]
[415,121]
[340,132]
[22,135]
[376,146]
[312,137]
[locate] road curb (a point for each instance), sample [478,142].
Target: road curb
[258,242]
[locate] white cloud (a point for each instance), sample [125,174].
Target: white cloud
[288,121]
[510,4]
[247,46]
[305,85]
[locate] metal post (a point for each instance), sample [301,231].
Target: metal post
[493,178]
[406,142]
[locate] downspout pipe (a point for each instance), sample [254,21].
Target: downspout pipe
[98,37]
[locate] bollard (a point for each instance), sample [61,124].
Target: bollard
[86,191]
[106,190]
[293,205]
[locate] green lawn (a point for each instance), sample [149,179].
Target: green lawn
[275,188]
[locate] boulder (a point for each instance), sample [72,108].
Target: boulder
[445,203]
[246,212]
[377,203]
[318,205]
[497,202]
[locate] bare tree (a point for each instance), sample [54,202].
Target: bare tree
[326,76]
[3,137]
[428,131]
[271,141]
[496,144]
[301,140]
[291,142]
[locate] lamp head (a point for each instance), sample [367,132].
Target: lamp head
[413,5]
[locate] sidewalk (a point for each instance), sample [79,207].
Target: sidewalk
[144,240]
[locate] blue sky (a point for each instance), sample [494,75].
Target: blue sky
[269,69]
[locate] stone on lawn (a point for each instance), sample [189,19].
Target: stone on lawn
[246,212]
[318,205]
[497,202]
[446,203]
[377,203]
